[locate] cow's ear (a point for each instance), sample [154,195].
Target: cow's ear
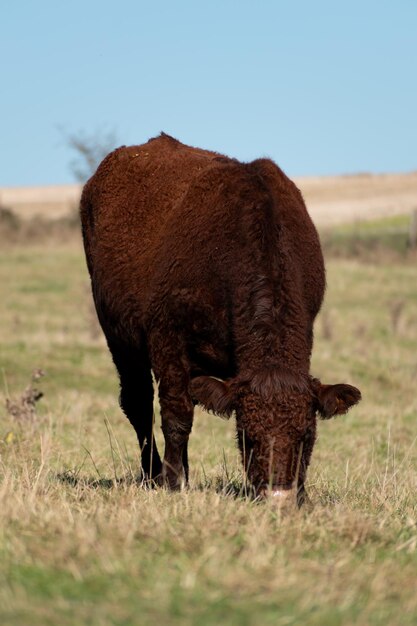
[213,394]
[334,399]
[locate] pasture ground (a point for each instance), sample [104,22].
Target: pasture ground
[82,543]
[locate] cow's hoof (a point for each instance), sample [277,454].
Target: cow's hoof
[174,478]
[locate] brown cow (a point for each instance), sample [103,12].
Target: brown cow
[209,272]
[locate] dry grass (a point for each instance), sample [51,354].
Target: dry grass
[335,200]
[83,543]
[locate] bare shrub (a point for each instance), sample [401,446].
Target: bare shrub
[23,408]
[90,149]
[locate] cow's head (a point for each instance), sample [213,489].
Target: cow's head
[276,424]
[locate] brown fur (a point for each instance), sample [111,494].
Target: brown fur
[201,267]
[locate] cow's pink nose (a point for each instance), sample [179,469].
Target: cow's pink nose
[284,499]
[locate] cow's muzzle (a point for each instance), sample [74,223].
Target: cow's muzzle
[284,499]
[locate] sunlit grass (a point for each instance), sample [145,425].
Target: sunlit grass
[81,541]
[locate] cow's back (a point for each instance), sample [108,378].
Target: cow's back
[139,186]
[166,225]
[145,217]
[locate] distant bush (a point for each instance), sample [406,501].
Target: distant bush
[8,219]
[15,230]
[369,241]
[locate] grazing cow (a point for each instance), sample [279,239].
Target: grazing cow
[209,272]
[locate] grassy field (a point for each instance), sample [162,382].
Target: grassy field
[82,543]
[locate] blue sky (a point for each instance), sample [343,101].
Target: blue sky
[322,87]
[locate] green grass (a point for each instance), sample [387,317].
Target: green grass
[82,543]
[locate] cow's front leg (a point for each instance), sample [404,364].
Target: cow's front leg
[306,450]
[171,370]
[177,420]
